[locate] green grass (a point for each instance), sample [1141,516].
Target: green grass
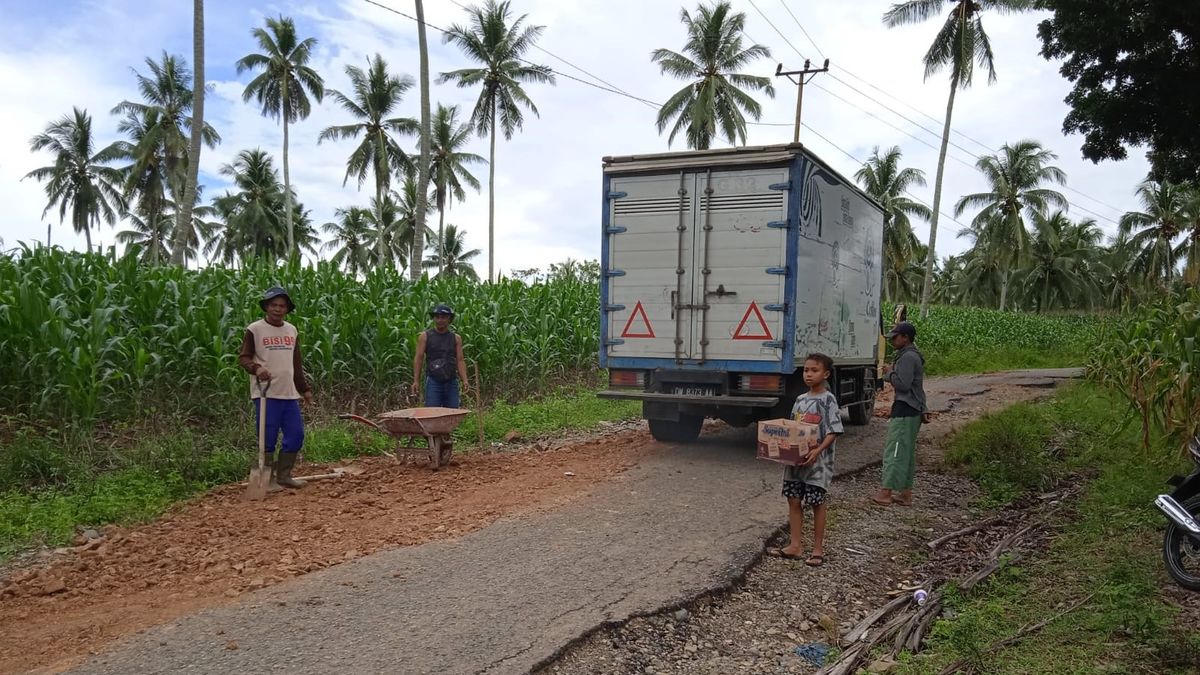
[138,482]
[1110,547]
[578,410]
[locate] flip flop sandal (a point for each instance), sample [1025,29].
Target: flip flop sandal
[815,560]
[880,503]
[779,553]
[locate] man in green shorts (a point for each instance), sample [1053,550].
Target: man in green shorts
[909,410]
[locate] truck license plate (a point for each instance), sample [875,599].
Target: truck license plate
[693,390]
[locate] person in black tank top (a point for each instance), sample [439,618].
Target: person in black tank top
[440,352]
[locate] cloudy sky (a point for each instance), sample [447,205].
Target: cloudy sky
[55,54]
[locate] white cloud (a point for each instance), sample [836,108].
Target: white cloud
[548,175]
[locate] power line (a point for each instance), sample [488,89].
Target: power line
[856,160]
[615,90]
[920,126]
[801,27]
[612,89]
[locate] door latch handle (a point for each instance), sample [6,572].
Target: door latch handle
[673,305]
[721,292]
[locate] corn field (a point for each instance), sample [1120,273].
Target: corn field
[1152,358]
[951,329]
[89,338]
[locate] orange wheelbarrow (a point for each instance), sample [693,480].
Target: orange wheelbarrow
[433,424]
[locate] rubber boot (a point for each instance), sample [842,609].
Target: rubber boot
[272,465]
[283,473]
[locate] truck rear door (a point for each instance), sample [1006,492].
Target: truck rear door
[696,266]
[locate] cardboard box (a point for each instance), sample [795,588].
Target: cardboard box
[785,441]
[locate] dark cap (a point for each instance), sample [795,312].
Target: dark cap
[275,292]
[903,328]
[442,308]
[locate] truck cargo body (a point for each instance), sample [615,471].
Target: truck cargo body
[721,270]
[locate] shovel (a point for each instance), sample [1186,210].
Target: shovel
[260,476]
[350,470]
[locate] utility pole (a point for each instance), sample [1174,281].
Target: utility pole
[802,78]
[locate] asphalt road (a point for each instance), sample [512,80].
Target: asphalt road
[511,596]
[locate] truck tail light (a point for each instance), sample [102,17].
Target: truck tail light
[764,384]
[627,379]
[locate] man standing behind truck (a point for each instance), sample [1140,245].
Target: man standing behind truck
[909,411]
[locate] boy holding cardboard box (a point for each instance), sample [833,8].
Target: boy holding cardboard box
[807,481]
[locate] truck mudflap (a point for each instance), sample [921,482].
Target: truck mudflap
[722,401]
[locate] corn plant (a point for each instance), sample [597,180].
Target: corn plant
[88,338]
[1152,358]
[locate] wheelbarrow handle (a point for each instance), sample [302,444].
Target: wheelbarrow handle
[359,418]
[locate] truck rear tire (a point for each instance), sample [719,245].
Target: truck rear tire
[683,431]
[861,413]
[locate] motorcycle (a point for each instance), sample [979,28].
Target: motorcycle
[1181,542]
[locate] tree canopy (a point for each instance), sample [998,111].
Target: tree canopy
[1134,65]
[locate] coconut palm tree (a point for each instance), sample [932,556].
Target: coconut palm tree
[283,88]
[190,185]
[1015,177]
[959,46]
[716,94]
[1189,249]
[949,286]
[449,162]
[1122,286]
[160,148]
[1153,230]
[403,237]
[351,242]
[253,214]
[883,179]
[423,165]
[80,180]
[145,183]
[982,267]
[387,236]
[373,101]
[155,233]
[498,44]
[1063,261]
[449,257]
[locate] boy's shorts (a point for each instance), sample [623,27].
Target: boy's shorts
[809,495]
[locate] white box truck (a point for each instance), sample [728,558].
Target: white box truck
[721,270]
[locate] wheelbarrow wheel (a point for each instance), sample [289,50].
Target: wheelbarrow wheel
[435,452]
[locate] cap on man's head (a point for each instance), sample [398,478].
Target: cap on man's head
[442,308]
[276,292]
[903,328]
